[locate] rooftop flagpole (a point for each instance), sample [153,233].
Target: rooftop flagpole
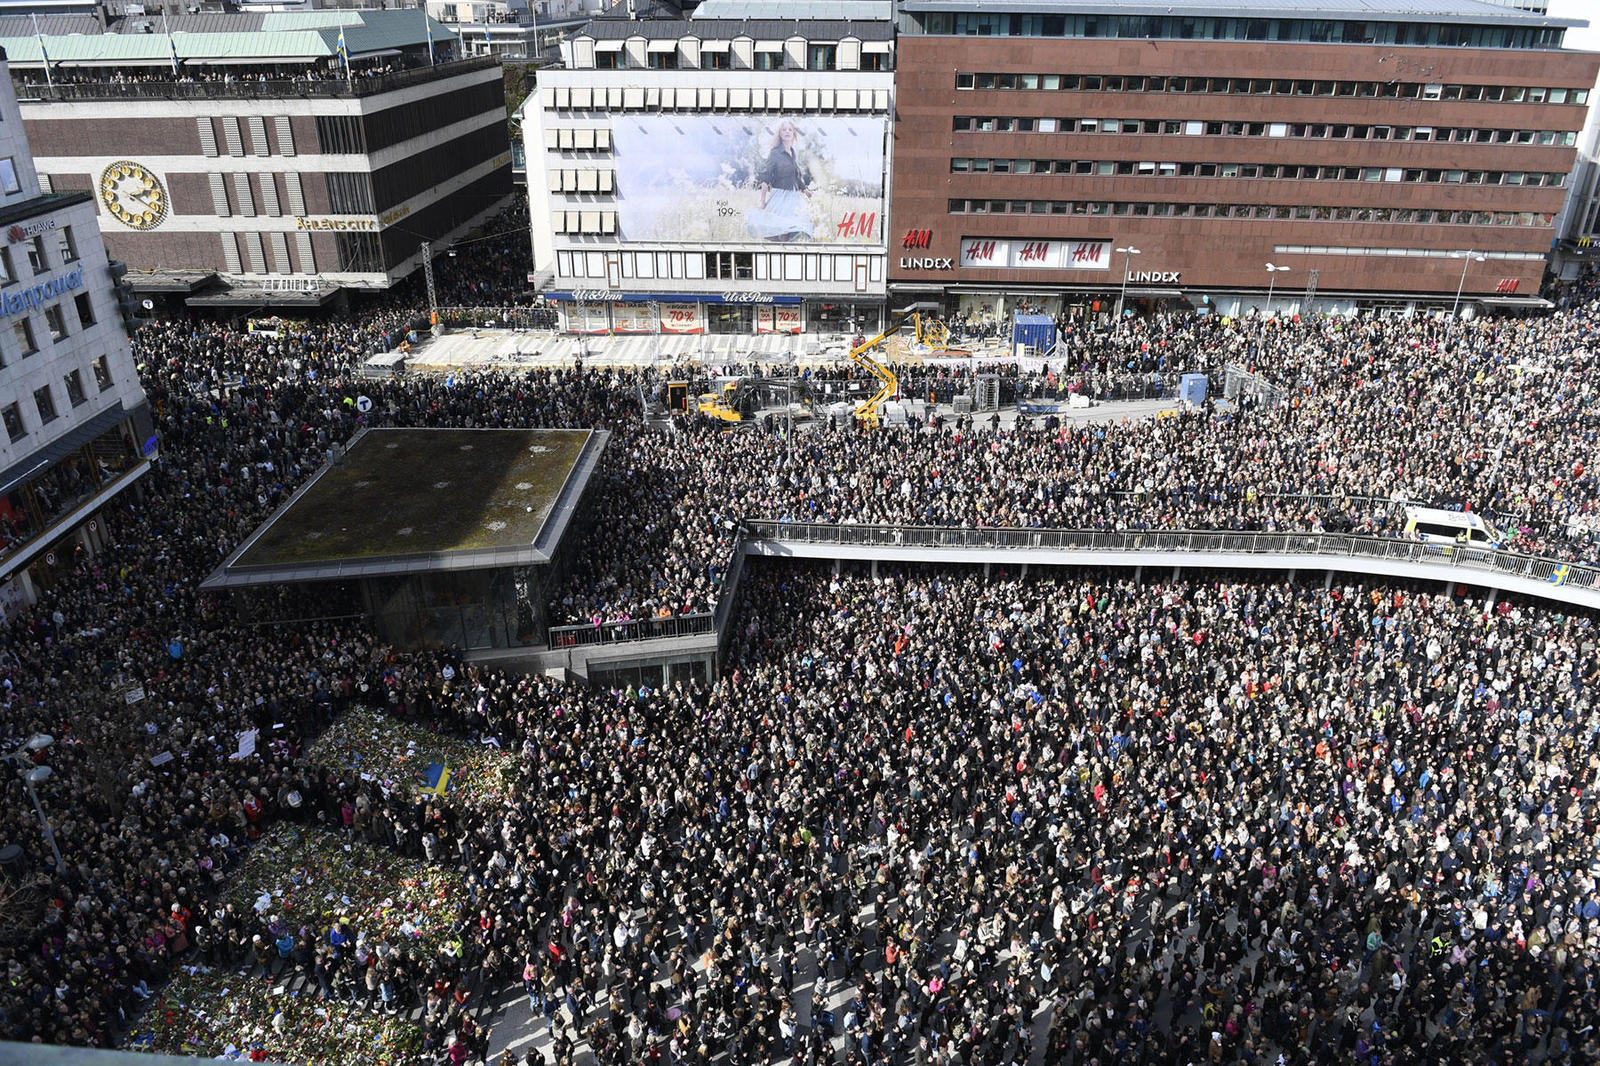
[172,45]
[44,54]
[344,54]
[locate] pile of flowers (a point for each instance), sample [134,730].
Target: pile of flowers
[220,1014]
[310,879]
[398,754]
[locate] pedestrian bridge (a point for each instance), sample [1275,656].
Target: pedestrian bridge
[1377,557]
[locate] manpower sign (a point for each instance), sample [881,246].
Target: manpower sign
[16,301]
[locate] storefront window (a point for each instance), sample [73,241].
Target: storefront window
[827,316]
[730,318]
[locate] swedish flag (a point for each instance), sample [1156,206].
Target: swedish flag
[438,778]
[1558,576]
[344,49]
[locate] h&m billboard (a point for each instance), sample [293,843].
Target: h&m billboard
[723,179]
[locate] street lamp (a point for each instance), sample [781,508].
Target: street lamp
[38,775]
[1505,435]
[1468,259]
[1127,254]
[1272,281]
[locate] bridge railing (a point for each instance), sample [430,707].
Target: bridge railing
[1331,546]
[622,632]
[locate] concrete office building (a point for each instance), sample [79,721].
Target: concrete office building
[1071,152]
[77,432]
[242,146]
[721,175]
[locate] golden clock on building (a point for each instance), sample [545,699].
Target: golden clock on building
[132,195]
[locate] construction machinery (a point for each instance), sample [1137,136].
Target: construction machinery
[867,412]
[733,403]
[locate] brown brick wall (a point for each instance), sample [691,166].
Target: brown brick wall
[165,249]
[190,194]
[113,136]
[1225,253]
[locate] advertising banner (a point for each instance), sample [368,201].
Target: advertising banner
[724,178]
[1035,255]
[682,318]
[632,318]
[778,320]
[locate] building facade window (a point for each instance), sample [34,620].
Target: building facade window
[102,373]
[56,321]
[22,329]
[45,403]
[85,307]
[74,384]
[13,420]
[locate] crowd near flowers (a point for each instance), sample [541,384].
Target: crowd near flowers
[929,817]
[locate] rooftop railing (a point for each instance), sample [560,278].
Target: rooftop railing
[245,86]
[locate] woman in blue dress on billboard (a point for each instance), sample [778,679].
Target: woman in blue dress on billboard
[784,181]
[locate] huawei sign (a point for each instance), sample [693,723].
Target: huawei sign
[16,233]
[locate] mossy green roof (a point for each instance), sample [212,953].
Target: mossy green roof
[433,492]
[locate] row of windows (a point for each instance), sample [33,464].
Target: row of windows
[1128,167]
[360,134]
[1185,28]
[1298,212]
[1338,131]
[1392,253]
[55,320]
[567,179]
[587,222]
[705,98]
[250,194]
[817,57]
[44,402]
[1394,90]
[721,266]
[45,251]
[233,140]
[421,171]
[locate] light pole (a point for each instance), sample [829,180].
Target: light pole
[1468,258]
[1505,435]
[1122,297]
[38,775]
[1272,282]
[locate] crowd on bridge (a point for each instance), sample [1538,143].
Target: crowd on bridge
[1219,819]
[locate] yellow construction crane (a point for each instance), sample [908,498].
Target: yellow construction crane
[930,331]
[888,384]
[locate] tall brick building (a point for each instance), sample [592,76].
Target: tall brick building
[1384,154]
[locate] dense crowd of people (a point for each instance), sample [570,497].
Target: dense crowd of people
[1216,819]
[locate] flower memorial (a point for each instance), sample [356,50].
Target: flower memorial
[399,754]
[310,880]
[222,1014]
